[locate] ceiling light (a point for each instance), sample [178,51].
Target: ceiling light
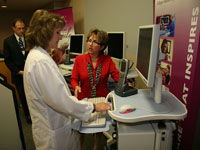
[4,4]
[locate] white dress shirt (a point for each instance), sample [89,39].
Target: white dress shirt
[23,40]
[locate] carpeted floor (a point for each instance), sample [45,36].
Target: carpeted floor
[26,131]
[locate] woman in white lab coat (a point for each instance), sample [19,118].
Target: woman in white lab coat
[49,99]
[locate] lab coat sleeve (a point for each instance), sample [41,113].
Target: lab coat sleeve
[55,92]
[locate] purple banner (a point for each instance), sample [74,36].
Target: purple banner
[179,23]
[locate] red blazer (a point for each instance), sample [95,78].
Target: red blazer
[80,74]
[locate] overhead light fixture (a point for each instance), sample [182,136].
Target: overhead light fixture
[4,4]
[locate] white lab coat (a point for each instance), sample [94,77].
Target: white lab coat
[51,104]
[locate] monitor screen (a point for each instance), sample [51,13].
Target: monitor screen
[123,66]
[76,45]
[147,53]
[116,45]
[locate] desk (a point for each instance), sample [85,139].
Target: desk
[146,109]
[66,70]
[132,74]
[137,130]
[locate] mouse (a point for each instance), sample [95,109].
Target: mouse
[127,108]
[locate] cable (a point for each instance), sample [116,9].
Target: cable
[131,65]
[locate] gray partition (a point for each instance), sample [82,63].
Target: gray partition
[11,135]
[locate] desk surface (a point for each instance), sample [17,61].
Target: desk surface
[67,69]
[132,74]
[146,109]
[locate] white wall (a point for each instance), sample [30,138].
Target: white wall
[119,15]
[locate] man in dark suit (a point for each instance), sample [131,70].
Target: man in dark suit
[15,55]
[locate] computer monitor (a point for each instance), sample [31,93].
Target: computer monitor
[147,53]
[76,45]
[116,45]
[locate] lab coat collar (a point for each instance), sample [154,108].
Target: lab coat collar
[42,50]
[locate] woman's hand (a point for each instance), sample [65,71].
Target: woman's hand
[77,91]
[102,107]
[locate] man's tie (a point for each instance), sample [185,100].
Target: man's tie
[21,45]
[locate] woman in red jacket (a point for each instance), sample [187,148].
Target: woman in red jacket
[91,71]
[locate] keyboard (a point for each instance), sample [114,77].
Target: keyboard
[97,119]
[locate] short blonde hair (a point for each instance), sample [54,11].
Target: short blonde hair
[102,36]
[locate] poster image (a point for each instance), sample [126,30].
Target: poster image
[69,27]
[167,25]
[166,49]
[166,73]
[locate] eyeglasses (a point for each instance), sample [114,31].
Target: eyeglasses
[93,42]
[19,28]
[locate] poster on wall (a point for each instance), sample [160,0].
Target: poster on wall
[69,27]
[179,45]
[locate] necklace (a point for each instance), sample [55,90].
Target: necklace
[98,74]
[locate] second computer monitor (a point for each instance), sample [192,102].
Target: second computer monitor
[76,46]
[117,45]
[147,53]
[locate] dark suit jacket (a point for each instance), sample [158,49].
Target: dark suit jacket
[14,58]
